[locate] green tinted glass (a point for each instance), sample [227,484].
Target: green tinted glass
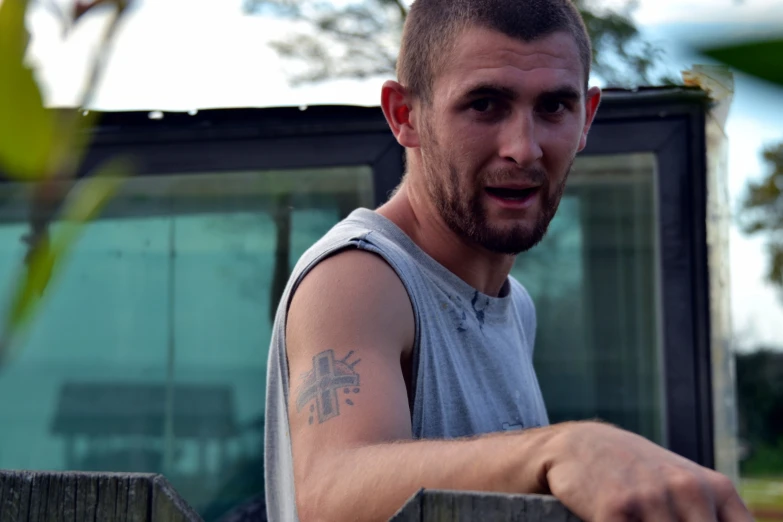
[150,352]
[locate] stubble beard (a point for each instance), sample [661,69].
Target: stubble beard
[463,211]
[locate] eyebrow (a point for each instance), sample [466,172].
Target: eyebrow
[493,90]
[564,92]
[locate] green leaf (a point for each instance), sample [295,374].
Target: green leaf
[90,195]
[83,203]
[27,129]
[762,59]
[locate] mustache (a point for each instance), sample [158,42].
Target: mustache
[533,175]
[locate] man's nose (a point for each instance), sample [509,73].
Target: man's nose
[519,143]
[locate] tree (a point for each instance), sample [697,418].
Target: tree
[762,210]
[360,39]
[760,407]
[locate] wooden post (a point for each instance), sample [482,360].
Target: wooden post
[32,496]
[465,506]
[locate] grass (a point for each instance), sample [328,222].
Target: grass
[764,497]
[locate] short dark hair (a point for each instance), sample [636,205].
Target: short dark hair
[432,26]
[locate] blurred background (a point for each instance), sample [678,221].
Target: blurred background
[160,320]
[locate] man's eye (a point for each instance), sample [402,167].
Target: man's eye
[482,105]
[552,106]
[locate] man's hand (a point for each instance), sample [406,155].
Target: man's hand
[605,474]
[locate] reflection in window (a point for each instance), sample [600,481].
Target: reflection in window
[595,284]
[150,351]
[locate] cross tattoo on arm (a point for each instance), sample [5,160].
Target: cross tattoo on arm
[323,384]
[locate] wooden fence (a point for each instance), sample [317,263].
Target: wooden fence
[28,496]
[460,506]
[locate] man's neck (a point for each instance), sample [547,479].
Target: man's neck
[484,270]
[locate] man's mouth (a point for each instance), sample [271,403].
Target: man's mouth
[512,194]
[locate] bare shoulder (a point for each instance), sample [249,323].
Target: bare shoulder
[349,324]
[351,298]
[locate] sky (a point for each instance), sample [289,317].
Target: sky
[181,55]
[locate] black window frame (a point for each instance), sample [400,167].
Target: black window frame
[252,139]
[670,123]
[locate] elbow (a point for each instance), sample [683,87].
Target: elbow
[305,505]
[311,505]
[321,495]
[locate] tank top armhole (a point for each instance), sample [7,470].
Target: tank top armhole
[360,242]
[404,276]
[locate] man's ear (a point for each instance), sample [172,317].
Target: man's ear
[397,106]
[592,101]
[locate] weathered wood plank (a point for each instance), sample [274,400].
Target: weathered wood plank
[121,505]
[14,497]
[86,497]
[411,510]
[53,511]
[167,505]
[9,490]
[24,497]
[38,494]
[466,506]
[3,480]
[139,500]
[497,508]
[31,496]
[69,494]
[5,483]
[437,507]
[546,510]
[107,497]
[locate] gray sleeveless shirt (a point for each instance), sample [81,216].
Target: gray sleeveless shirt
[472,354]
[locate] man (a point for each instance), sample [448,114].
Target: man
[402,351]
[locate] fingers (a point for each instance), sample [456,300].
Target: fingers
[640,505]
[731,508]
[704,495]
[734,510]
[641,495]
[677,495]
[692,497]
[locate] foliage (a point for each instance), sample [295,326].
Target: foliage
[43,148]
[760,406]
[621,57]
[760,398]
[764,461]
[762,59]
[762,210]
[361,39]
[28,133]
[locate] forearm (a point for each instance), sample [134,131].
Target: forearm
[372,482]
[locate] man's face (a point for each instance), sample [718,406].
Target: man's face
[500,135]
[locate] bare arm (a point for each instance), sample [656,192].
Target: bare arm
[350,327]
[372,482]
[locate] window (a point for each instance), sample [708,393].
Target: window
[150,351]
[594,280]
